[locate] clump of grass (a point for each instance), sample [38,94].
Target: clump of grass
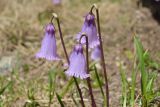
[140,66]
[130,96]
[31,102]
[52,85]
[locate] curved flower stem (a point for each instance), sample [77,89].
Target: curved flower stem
[91,10]
[102,53]
[61,37]
[64,48]
[88,79]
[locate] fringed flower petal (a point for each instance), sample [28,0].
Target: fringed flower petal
[77,67]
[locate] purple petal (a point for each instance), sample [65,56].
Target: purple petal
[77,67]
[48,49]
[96,53]
[56,2]
[90,29]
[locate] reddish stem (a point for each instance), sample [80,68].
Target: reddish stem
[88,79]
[65,51]
[102,54]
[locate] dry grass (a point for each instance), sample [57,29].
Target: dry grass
[21,30]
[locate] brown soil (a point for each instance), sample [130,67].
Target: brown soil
[21,30]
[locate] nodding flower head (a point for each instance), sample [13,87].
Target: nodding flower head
[48,49]
[90,19]
[50,29]
[89,27]
[96,53]
[77,66]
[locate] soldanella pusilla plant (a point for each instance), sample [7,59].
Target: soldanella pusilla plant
[80,64]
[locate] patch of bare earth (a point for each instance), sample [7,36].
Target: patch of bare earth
[21,31]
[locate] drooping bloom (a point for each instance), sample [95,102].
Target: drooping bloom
[89,28]
[96,53]
[77,66]
[56,2]
[48,49]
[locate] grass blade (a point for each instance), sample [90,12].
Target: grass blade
[74,100]
[60,101]
[133,84]
[5,87]
[98,80]
[67,87]
[144,75]
[124,86]
[52,80]
[150,83]
[100,84]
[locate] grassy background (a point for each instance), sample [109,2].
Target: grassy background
[21,30]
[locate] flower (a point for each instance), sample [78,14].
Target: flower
[89,28]
[48,49]
[96,53]
[77,66]
[56,2]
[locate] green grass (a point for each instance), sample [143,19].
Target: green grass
[148,89]
[36,82]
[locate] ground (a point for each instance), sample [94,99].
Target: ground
[22,27]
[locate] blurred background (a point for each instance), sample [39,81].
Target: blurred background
[22,25]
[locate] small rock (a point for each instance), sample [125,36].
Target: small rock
[8,63]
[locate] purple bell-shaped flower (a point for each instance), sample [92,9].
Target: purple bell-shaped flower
[96,53]
[77,67]
[89,27]
[48,49]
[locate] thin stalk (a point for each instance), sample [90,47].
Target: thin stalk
[64,48]
[61,37]
[88,79]
[102,54]
[60,100]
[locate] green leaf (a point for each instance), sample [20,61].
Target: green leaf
[124,86]
[67,87]
[150,83]
[60,101]
[74,100]
[144,76]
[5,87]
[133,84]
[52,80]
[98,80]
